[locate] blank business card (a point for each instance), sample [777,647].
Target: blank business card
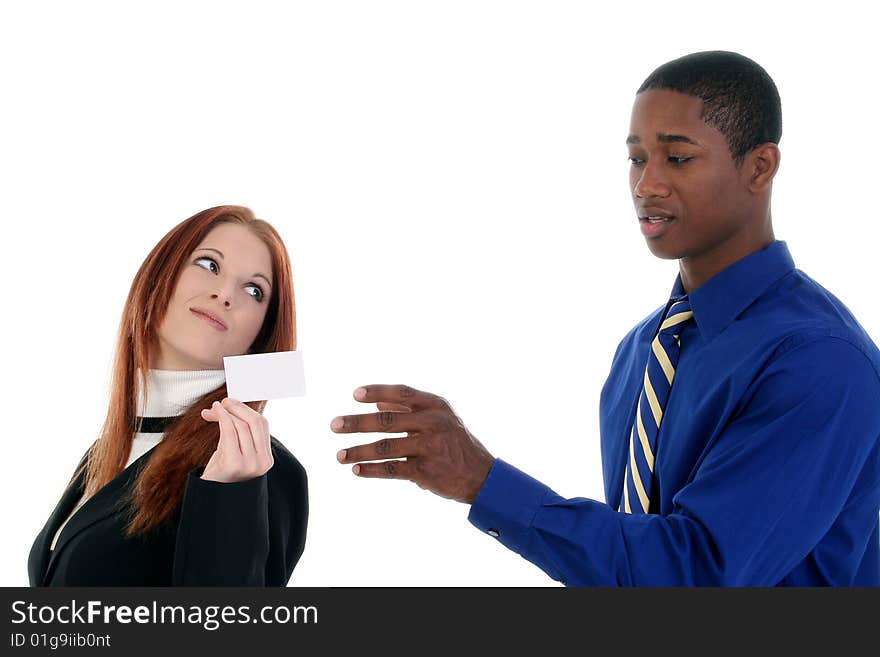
[254,377]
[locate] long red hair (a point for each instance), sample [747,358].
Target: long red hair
[189,441]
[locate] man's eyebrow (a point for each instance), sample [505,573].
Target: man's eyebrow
[664,138]
[220,253]
[668,139]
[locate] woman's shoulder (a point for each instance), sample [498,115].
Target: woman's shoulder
[286,464]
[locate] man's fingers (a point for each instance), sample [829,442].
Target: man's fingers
[399,394]
[385,470]
[386,421]
[395,408]
[387,448]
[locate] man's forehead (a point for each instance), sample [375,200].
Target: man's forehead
[667,117]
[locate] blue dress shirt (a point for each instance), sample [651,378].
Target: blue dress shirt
[767,469]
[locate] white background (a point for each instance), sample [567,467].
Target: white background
[450,179]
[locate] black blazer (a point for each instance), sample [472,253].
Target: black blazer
[247,533]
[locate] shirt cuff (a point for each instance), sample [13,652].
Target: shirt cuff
[507,503]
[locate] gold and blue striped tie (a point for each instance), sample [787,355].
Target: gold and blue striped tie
[657,385]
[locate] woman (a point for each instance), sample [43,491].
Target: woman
[184,486]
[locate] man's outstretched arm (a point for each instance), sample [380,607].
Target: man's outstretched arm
[766,492]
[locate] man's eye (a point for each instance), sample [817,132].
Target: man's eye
[679,160]
[636,161]
[211,260]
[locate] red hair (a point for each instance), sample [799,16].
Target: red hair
[190,440]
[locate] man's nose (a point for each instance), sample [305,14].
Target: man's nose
[651,182]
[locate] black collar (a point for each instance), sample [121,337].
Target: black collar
[154,424]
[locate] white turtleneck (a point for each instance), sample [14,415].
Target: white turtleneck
[170,393]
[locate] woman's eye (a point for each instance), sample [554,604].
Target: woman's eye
[208,260]
[212,267]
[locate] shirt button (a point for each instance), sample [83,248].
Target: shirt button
[494,533]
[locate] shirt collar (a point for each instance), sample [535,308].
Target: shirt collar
[720,300]
[172,392]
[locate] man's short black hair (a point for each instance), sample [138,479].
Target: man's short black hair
[739,98]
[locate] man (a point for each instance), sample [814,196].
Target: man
[740,422]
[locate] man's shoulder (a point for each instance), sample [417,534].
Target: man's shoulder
[803,312]
[829,352]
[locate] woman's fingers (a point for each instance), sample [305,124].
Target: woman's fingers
[257,425]
[244,450]
[229,439]
[245,439]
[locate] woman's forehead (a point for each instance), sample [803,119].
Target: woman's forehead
[236,242]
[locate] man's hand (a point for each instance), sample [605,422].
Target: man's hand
[440,453]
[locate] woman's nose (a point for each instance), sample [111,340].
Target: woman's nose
[224,296]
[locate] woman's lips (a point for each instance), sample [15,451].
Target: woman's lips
[217,325]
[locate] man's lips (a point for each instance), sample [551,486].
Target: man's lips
[651,228]
[212,319]
[654,220]
[654,214]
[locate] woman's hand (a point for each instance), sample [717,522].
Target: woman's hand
[244,450]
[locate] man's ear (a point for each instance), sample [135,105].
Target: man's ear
[760,166]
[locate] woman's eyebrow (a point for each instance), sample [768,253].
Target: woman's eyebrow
[220,253]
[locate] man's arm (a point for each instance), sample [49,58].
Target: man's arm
[765,493]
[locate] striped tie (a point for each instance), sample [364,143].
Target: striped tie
[659,373]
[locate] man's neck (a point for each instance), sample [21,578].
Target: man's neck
[698,269]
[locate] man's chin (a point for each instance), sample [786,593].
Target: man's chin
[663,251]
